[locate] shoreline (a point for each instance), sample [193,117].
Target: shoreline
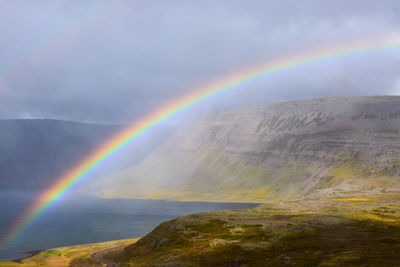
[169,210]
[32,253]
[62,256]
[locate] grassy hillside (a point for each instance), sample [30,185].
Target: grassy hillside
[336,232]
[357,231]
[76,256]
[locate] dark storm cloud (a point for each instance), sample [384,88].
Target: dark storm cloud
[115,61]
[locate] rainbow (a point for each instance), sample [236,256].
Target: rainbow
[131,134]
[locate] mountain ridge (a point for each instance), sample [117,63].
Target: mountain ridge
[35,152]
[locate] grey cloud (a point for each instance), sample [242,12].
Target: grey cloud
[115,61]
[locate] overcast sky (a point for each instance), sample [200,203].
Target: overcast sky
[115,61]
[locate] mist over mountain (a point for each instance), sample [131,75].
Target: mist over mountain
[326,147]
[35,152]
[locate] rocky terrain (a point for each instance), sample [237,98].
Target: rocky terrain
[331,147]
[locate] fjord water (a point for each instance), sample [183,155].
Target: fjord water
[80,220]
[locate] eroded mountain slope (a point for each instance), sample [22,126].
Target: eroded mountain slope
[316,148]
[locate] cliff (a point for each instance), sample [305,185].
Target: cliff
[331,147]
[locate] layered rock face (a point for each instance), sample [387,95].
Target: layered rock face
[329,147]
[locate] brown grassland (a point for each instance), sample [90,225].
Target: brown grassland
[337,232]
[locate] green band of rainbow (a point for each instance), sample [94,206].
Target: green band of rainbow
[64,184]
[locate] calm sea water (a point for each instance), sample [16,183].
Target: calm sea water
[81,220]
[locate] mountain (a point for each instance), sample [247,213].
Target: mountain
[35,152]
[327,171]
[329,147]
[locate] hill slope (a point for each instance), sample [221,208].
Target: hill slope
[34,152]
[340,232]
[315,148]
